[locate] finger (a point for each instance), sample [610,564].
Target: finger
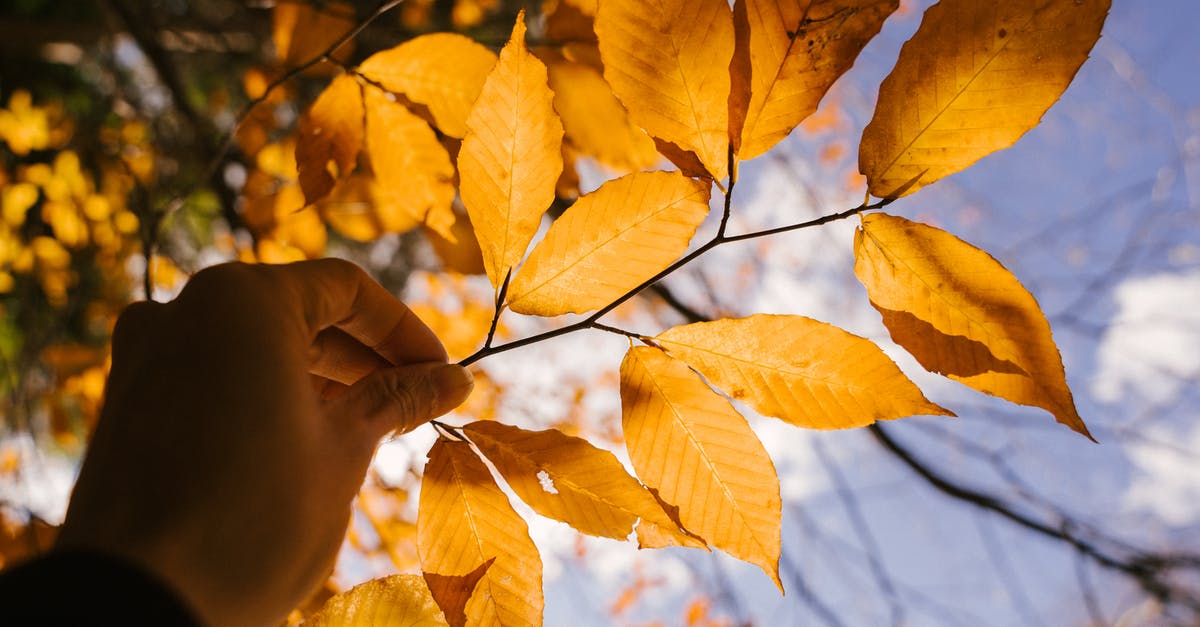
[335,292]
[403,398]
[338,356]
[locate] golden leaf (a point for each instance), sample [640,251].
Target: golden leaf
[455,591]
[359,209]
[395,601]
[975,78]
[609,242]
[442,72]
[412,170]
[668,62]
[567,479]
[511,156]
[330,137]
[301,31]
[805,372]
[464,520]
[691,445]
[594,120]
[962,314]
[796,50]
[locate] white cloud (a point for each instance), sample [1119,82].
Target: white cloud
[1153,344]
[1168,480]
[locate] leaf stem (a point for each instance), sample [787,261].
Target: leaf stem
[500,296]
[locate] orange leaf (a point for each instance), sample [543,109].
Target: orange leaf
[808,373]
[690,444]
[668,62]
[301,31]
[511,156]
[962,314]
[330,137]
[974,79]
[797,49]
[567,479]
[609,242]
[464,520]
[412,169]
[594,120]
[396,601]
[442,72]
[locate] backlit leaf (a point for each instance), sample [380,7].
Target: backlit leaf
[453,592]
[511,156]
[566,478]
[800,370]
[690,444]
[668,62]
[962,314]
[359,209]
[594,120]
[412,170]
[464,520]
[797,49]
[330,137]
[609,242]
[975,78]
[395,601]
[442,72]
[301,31]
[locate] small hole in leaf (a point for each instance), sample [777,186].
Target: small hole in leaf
[547,482]
[1003,33]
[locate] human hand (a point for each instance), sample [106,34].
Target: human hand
[238,423]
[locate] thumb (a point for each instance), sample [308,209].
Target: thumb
[404,397]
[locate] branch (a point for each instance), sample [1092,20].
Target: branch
[1146,569]
[716,241]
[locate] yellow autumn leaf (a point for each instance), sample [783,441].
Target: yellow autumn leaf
[454,592]
[330,137]
[567,479]
[511,156]
[690,444]
[796,50]
[464,520]
[301,31]
[805,372]
[595,122]
[668,62]
[609,242]
[359,209]
[974,79]
[962,314]
[442,72]
[395,601]
[412,169]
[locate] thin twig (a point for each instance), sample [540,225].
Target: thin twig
[863,530]
[327,55]
[500,296]
[716,241]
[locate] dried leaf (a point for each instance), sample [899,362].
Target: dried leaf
[962,314]
[412,170]
[668,62]
[511,156]
[974,79]
[464,520]
[692,446]
[330,137]
[609,242]
[443,72]
[802,371]
[797,49]
[567,479]
[395,601]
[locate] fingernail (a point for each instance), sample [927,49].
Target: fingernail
[453,381]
